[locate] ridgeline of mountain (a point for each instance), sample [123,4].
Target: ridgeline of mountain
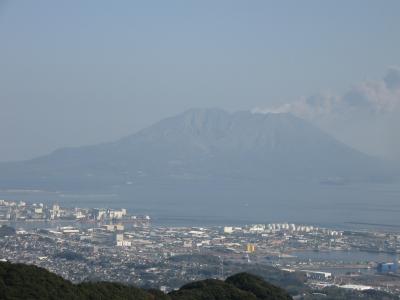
[19,281]
[199,144]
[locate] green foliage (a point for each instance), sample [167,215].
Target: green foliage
[258,287]
[211,289]
[19,281]
[293,282]
[28,282]
[112,290]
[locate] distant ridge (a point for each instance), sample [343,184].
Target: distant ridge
[198,144]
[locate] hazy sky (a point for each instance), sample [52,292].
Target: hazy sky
[81,72]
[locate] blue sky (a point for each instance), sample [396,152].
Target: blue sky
[81,72]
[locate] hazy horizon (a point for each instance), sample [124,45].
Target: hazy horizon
[152,149]
[284,109]
[82,73]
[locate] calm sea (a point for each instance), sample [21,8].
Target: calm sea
[352,206]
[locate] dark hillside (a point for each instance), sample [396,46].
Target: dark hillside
[28,282]
[19,281]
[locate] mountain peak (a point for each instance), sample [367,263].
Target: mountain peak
[205,111]
[207,143]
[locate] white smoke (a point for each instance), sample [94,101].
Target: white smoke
[366,117]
